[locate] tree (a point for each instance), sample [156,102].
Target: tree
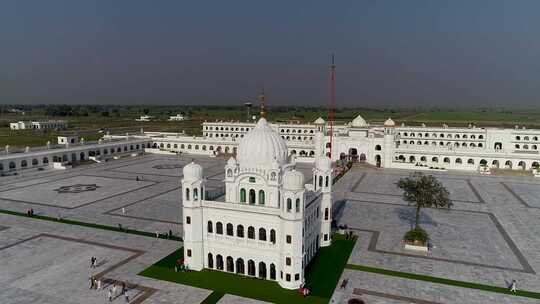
[423,191]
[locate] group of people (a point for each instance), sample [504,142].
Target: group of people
[137,178]
[304,291]
[30,212]
[112,293]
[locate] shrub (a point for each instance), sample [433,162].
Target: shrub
[417,234]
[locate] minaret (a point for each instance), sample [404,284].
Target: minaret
[193,189]
[322,181]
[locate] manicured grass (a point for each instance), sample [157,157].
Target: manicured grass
[322,276]
[90,225]
[425,278]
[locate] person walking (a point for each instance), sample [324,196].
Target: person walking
[114,289]
[126,296]
[91,282]
[92,262]
[123,289]
[513,287]
[110,295]
[123,211]
[98,284]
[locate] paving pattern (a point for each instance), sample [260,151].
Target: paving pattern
[490,236]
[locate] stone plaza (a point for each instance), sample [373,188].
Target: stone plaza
[490,236]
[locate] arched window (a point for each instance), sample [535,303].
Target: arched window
[230,229]
[320,181]
[187,194]
[327,181]
[261,197]
[210,227]
[297,205]
[446,160]
[470,161]
[195,194]
[24,164]
[45,160]
[219,228]
[272,236]
[458,160]
[326,214]
[229,173]
[240,231]
[289,205]
[378,148]
[210,261]
[251,197]
[34,162]
[262,234]
[242,195]
[251,232]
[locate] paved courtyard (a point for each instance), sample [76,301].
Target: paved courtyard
[491,235]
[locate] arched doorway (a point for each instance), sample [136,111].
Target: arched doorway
[240,266]
[353,155]
[378,161]
[251,268]
[230,264]
[219,262]
[262,270]
[362,158]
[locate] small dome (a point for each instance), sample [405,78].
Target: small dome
[389,123]
[193,172]
[359,122]
[324,163]
[231,162]
[261,146]
[319,121]
[293,180]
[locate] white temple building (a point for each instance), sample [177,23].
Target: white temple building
[270,224]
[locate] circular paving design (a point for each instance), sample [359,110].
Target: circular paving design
[77,188]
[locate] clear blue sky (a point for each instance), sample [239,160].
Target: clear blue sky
[389,53]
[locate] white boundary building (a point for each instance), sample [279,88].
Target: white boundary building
[270,224]
[386,145]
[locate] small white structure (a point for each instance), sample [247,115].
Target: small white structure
[39,125]
[178,117]
[269,225]
[144,118]
[70,140]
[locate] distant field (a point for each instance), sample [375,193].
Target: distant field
[124,122]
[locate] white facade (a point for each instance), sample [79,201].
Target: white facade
[177,117]
[144,118]
[408,147]
[270,224]
[39,125]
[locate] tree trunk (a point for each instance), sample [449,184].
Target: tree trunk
[417,219]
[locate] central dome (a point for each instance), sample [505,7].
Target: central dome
[261,147]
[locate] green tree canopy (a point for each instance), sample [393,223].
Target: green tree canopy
[423,191]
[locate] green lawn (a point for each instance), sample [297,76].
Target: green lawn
[322,276]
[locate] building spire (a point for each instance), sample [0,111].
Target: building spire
[262,99]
